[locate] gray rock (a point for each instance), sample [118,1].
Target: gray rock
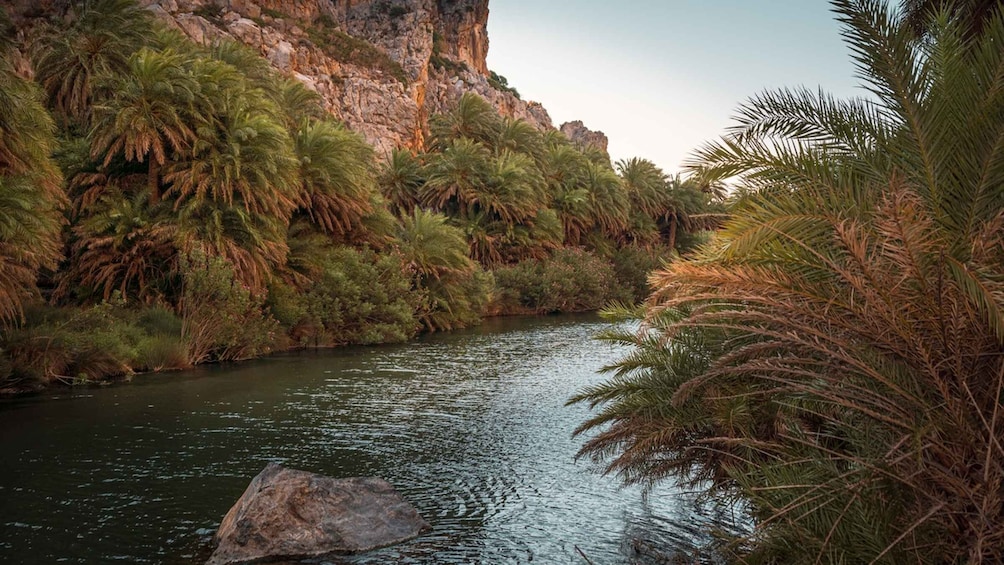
[281,56]
[583,136]
[291,514]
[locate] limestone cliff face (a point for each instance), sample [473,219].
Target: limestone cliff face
[465,31]
[382,66]
[583,136]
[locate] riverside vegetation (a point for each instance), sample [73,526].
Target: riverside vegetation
[833,360]
[166,204]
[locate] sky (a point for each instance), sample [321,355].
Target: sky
[662,77]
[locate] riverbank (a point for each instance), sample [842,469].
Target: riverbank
[113,341]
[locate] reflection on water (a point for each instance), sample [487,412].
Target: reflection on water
[471,427]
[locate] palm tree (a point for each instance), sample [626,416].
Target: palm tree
[26,139]
[607,200]
[123,245]
[973,15]
[252,67]
[436,255]
[432,249]
[485,237]
[845,328]
[646,186]
[29,241]
[400,181]
[472,118]
[336,176]
[243,155]
[564,169]
[70,62]
[237,187]
[297,102]
[512,189]
[454,176]
[31,196]
[648,193]
[150,118]
[518,136]
[253,245]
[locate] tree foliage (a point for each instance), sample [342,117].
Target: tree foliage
[31,195]
[833,356]
[179,168]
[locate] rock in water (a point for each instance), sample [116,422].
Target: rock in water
[290,514]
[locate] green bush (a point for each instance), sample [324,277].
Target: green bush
[632,266]
[499,82]
[222,320]
[161,347]
[89,344]
[455,300]
[571,280]
[360,298]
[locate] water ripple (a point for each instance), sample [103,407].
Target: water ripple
[471,427]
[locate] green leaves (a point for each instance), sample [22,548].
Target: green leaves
[31,198]
[832,356]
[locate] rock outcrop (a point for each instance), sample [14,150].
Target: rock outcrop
[381,66]
[583,136]
[289,514]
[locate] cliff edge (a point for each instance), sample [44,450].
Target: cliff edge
[382,66]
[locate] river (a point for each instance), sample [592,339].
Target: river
[470,426]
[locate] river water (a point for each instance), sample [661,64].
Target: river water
[470,426]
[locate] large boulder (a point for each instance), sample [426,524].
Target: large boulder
[289,514]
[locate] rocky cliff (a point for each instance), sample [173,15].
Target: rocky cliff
[583,136]
[382,66]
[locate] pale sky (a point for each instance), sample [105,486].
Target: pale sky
[659,78]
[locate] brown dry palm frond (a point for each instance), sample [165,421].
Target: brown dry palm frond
[254,245]
[892,337]
[849,372]
[70,62]
[124,246]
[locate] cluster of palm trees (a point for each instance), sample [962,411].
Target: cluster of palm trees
[519,193]
[135,158]
[834,358]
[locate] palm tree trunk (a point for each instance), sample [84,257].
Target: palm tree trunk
[153,181]
[672,232]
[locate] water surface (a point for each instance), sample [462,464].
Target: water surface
[470,426]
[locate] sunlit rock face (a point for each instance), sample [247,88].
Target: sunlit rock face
[583,136]
[413,58]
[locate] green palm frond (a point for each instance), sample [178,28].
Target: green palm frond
[337,176]
[833,355]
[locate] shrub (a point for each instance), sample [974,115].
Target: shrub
[210,12]
[571,280]
[361,297]
[499,82]
[632,267]
[162,347]
[92,344]
[455,300]
[222,319]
